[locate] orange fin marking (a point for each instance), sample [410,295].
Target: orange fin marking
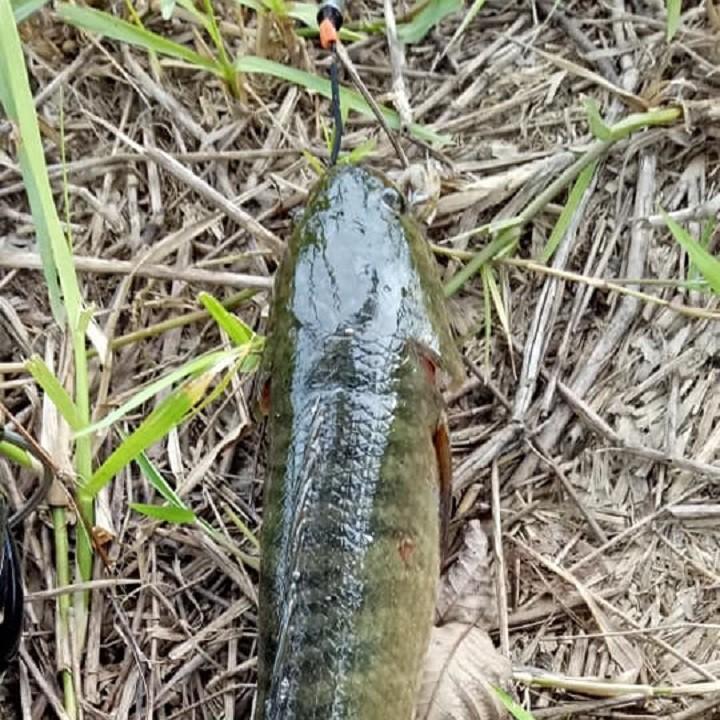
[441,440]
[430,369]
[264,399]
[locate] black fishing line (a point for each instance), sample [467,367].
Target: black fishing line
[336,110]
[330,20]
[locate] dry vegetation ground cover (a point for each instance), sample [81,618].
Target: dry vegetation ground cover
[585,437]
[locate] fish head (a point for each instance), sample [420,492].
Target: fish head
[363,267]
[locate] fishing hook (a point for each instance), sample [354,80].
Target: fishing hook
[330,20]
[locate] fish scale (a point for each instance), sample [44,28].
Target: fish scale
[350,537]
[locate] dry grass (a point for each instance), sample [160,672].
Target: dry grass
[601,414]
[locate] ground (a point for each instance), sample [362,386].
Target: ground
[585,434]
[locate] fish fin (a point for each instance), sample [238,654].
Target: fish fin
[440,372]
[427,358]
[430,369]
[441,441]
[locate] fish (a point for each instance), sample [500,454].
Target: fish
[357,488]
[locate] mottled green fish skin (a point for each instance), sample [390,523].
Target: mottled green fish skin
[350,536]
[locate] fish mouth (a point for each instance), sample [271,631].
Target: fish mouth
[339,174]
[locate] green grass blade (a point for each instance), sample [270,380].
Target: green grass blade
[239,365]
[17,100]
[166,416]
[349,98]
[434,12]
[238,332]
[674,8]
[563,222]
[240,525]
[167,513]
[105,24]
[513,708]
[640,121]
[506,237]
[55,391]
[63,288]
[192,368]
[357,155]
[693,274]
[23,9]
[16,454]
[214,32]
[159,482]
[598,127]
[315,164]
[707,264]
[487,315]
[629,124]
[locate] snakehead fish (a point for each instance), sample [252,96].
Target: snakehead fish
[358,473]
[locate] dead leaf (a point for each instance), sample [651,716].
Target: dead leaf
[467,593]
[461,668]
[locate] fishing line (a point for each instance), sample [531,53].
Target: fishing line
[330,20]
[336,111]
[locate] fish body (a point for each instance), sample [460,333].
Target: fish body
[351,524]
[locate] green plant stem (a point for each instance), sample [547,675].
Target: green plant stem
[16,454]
[83,467]
[214,33]
[499,243]
[249,560]
[79,321]
[232,77]
[233,301]
[62,569]
[616,285]
[539,267]
[606,688]
[505,237]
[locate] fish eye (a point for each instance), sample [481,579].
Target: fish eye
[393,199]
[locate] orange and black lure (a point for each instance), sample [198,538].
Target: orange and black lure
[330,20]
[12,595]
